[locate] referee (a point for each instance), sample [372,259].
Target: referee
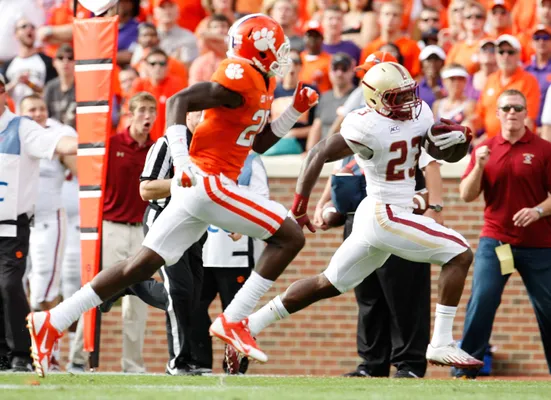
[180,291]
[22,144]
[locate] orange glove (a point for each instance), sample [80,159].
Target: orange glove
[304,98]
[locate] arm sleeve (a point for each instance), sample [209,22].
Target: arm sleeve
[39,142]
[357,132]
[158,162]
[425,159]
[259,179]
[470,166]
[546,112]
[51,72]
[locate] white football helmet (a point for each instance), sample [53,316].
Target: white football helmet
[98,7]
[391,91]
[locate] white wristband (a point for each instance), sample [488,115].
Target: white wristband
[177,141]
[282,125]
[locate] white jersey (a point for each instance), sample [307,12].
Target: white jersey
[51,177]
[69,195]
[388,152]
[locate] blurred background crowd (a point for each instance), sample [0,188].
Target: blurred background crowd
[464,53]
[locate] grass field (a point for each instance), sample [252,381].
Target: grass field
[138,387]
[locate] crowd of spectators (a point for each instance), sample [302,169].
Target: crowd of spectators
[462,52]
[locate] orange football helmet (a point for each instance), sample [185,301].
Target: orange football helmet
[260,40]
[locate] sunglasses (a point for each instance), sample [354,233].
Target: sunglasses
[488,49]
[509,52]
[159,63]
[65,58]
[499,11]
[25,26]
[516,107]
[541,37]
[296,61]
[475,16]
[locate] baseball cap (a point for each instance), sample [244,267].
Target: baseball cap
[430,50]
[313,25]
[341,59]
[455,71]
[541,28]
[2,80]
[375,58]
[65,49]
[509,39]
[484,42]
[499,3]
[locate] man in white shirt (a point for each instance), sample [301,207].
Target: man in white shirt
[22,144]
[30,70]
[10,12]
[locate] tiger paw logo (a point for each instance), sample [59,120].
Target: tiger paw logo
[234,71]
[264,39]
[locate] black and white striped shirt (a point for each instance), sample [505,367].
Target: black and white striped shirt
[158,165]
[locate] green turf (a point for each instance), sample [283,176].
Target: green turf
[136,387]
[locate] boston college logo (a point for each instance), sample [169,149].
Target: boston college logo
[528,158]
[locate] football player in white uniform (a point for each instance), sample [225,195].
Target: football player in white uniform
[47,240]
[386,137]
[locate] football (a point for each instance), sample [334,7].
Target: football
[420,202]
[452,154]
[331,216]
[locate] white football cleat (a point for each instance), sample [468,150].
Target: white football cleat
[452,356]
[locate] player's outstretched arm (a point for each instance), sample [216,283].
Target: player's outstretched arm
[198,97]
[304,99]
[331,149]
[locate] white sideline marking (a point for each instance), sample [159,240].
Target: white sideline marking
[171,388]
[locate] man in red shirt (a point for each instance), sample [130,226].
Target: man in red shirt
[513,169]
[123,210]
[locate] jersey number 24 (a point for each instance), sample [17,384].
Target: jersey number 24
[247,136]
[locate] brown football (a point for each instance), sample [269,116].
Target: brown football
[420,202]
[331,216]
[452,154]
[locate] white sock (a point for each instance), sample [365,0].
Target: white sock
[246,299]
[70,310]
[267,315]
[443,325]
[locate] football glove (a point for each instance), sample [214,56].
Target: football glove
[304,98]
[456,134]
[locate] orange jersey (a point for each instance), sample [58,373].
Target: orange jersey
[222,141]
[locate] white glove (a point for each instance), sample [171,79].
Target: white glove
[446,140]
[184,176]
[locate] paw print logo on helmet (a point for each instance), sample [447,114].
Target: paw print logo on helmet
[260,40]
[264,39]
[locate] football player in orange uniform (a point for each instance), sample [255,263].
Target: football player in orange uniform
[204,190]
